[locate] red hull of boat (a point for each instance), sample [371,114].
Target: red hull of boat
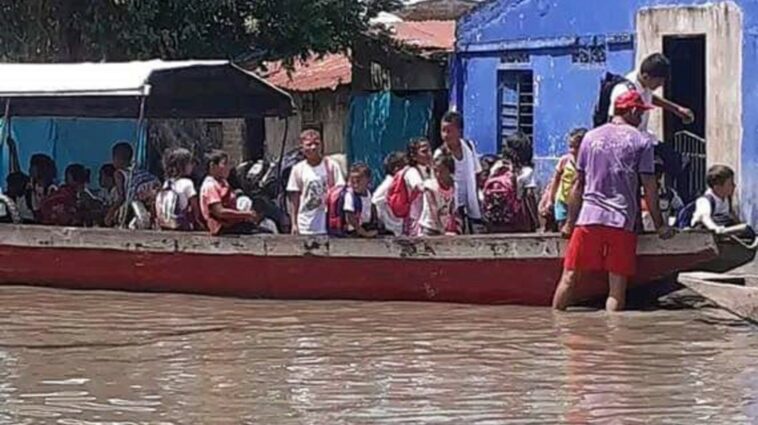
[525,281]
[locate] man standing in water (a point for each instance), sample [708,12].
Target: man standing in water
[604,203]
[467,167]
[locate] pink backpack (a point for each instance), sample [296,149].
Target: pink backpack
[502,208]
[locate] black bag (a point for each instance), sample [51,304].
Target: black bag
[607,84]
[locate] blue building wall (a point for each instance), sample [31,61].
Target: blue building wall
[565,91]
[749,174]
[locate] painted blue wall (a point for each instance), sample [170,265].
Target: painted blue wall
[749,174]
[85,141]
[566,92]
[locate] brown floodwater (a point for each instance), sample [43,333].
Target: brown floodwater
[113,358]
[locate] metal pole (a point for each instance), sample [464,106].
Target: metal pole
[128,186]
[6,117]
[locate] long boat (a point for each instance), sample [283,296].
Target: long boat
[488,269]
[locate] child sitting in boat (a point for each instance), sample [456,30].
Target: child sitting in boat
[177,205]
[65,206]
[350,212]
[17,190]
[713,210]
[670,203]
[107,190]
[42,178]
[563,180]
[439,215]
[394,163]
[217,201]
[135,185]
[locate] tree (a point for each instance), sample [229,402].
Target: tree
[114,30]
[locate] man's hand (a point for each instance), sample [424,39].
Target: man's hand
[666,232]
[686,114]
[567,230]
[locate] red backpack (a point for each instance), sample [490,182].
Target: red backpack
[335,212]
[503,210]
[399,197]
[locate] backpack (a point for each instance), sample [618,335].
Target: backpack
[335,215]
[607,84]
[143,185]
[684,217]
[168,213]
[502,207]
[399,197]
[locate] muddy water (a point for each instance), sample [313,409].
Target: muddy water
[109,358]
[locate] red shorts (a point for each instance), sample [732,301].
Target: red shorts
[601,248]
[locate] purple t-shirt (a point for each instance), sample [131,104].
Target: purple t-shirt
[612,157]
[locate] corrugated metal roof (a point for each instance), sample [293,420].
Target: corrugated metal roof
[327,72]
[334,70]
[426,34]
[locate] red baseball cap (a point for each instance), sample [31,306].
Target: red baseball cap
[630,100]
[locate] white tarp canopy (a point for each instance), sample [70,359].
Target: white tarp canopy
[174,89]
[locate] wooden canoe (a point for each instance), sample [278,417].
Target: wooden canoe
[486,269]
[735,294]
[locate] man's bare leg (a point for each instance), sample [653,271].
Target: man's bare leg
[565,289]
[617,293]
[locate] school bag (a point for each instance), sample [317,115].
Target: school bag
[603,105]
[168,212]
[399,197]
[684,217]
[335,210]
[502,208]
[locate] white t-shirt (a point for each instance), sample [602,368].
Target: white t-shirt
[704,213]
[185,190]
[313,183]
[466,169]
[526,180]
[365,206]
[647,96]
[438,209]
[383,210]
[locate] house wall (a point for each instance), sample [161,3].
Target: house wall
[377,68]
[330,111]
[565,92]
[722,25]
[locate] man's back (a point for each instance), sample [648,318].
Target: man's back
[611,158]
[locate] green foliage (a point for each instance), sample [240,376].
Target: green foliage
[78,30]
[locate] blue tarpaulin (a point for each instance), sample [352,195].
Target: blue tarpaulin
[383,122]
[68,141]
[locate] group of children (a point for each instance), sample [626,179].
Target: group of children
[133,197]
[424,193]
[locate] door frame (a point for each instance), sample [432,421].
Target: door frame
[722,24]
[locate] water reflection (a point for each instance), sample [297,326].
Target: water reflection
[110,358]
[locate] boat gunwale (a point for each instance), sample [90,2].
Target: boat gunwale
[464,247]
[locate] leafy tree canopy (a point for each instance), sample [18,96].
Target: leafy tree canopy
[115,30]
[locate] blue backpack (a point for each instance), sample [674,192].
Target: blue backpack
[335,201]
[684,217]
